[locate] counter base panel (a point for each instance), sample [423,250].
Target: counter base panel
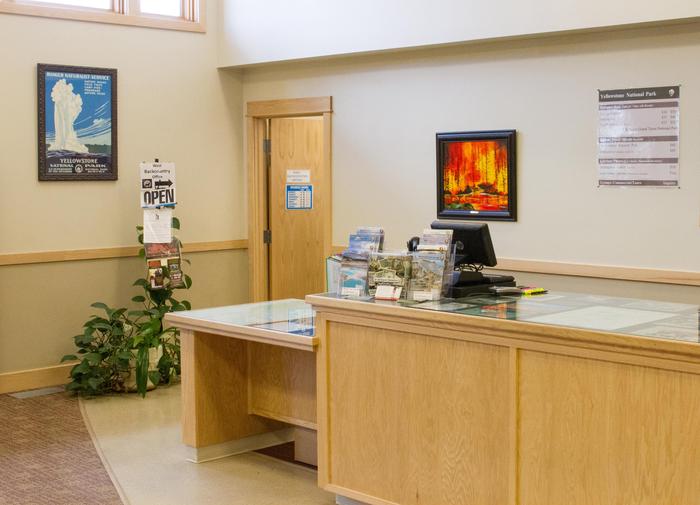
[425,413]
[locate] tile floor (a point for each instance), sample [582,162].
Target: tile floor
[140,441]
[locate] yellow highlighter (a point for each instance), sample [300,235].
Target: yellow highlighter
[528,290]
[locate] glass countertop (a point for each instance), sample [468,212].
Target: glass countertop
[286,316]
[631,316]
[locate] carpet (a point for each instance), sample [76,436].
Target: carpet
[47,456]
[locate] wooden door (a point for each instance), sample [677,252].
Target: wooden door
[299,206]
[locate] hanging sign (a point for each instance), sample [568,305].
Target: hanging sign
[158,185]
[638,137]
[300,196]
[157,226]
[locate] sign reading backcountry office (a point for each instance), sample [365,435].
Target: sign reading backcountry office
[157,185]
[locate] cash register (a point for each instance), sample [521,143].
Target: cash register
[473,250]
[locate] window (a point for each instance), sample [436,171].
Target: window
[187,15]
[162,7]
[95,4]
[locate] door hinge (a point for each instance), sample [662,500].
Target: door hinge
[267,236]
[266,146]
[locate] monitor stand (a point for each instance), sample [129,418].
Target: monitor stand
[470,282]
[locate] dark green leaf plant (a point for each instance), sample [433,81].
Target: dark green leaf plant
[121,343]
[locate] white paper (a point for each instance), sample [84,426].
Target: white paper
[157,226]
[638,137]
[296,176]
[157,185]
[601,318]
[385,292]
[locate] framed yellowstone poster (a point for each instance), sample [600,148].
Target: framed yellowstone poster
[476,175]
[77,123]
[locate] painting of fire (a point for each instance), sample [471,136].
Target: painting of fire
[476,175]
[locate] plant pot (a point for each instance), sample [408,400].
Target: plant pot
[154,356]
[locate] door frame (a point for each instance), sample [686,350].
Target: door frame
[256,115]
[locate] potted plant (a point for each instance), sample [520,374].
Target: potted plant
[123,349]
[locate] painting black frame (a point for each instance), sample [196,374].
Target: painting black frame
[442,139]
[112,174]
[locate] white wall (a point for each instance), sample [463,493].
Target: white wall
[276,30]
[387,109]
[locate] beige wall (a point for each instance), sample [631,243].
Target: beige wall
[43,306]
[278,30]
[387,109]
[173,104]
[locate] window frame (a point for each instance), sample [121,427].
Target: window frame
[123,12]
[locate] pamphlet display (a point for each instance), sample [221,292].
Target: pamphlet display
[638,137]
[164,265]
[427,278]
[354,263]
[353,277]
[333,273]
[391,270]
[433,263]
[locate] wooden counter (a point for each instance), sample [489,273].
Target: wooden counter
[417,407]
[248,378]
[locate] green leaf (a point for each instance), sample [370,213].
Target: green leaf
[187,304]
[138,298]
[126,355]
[69,357]
[142,253]
[72,386]
[82,367]
[100,305]
[176,223]
[140,238]
[102,326]
[142,371]
[139,228]
[188,281]
[95,319]
[93,358]
[154,376]
[84,339]
[140,282]
[95,382]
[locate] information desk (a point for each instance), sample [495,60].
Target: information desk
[549,400]
[248,377]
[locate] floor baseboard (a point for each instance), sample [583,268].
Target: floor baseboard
[225,449]
[11,382]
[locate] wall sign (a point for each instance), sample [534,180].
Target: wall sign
[300,196]
[296,176]
[77,123]
[157,185]
[638,136]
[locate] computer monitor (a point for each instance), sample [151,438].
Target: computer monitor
[472,240]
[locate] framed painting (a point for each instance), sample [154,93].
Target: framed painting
[77,123]
[476,176]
